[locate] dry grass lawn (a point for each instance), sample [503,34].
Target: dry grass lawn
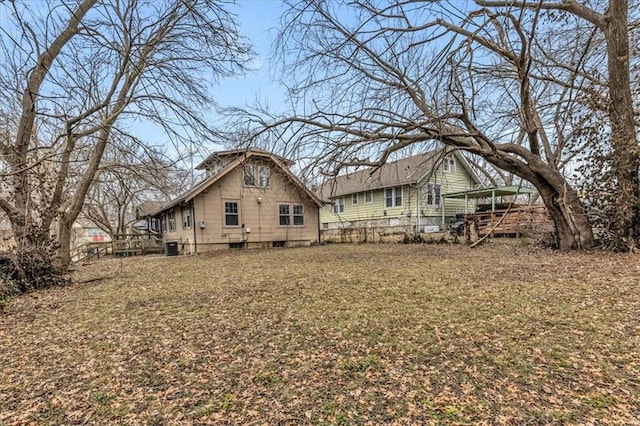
[338,334]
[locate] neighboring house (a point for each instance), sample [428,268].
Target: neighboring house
[404,193]
[249,198]
[84,231]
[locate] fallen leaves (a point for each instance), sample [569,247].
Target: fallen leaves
[362,334]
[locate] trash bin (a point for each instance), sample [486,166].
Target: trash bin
[171,248]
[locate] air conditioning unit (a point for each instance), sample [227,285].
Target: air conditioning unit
[203,224]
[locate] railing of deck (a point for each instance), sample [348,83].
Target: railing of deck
[516,221]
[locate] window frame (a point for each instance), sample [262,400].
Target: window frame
[164,223]
[292,216]
[396,193]
[249,175]
[284,215]
[299,215]
[171,219]
[354,199]
[434,191]
[186,216]
[263,179]
[370,194]
[256,175]
[339,205]
[226,215]
[449,164]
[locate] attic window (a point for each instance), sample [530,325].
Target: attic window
[258,176]
[449,164]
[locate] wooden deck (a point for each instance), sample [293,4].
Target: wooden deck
[516,221]
[136,244]
[121,245]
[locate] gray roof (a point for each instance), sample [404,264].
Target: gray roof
[409,170]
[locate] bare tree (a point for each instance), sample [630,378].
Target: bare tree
[490,79]
[125,180]
[78,72]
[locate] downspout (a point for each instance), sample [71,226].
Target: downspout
[417,187]
[417,210]
[193,224]
[319,231]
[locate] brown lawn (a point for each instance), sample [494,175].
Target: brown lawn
[339,334]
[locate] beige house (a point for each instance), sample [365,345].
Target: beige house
[249,198]
[406,194]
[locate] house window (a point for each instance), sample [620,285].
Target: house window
[283,215]
[249,175]
[289,214]
[298,215]
[186,217]
[354,198]
[231,213]
[171,214]
[264,176]
[368,197]
[393,197]
[258,176]
[449,164]
[164,223]
[338,206]
[433,194]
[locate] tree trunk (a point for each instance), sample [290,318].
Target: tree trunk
[33,256]
[64,243]
[626,152]
[574,231]
[569,216]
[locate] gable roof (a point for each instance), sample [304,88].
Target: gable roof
[222,155]
[406,171]
[242,156]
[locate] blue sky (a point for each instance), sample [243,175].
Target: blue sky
[258,21]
